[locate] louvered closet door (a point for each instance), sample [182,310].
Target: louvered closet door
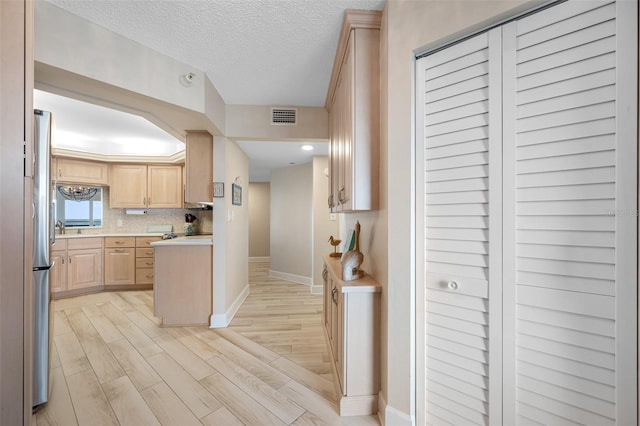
[461,164]
[527,165]
[570,218]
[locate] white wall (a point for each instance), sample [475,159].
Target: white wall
[230,233]
[323,226]
[259,219]
[291,222]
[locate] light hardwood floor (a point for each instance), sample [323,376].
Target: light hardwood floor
[113,365]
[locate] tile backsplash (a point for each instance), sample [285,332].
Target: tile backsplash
[138,223]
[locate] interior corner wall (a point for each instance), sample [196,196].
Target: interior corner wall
[291,220]
[408,27]
[323,224]
[259,219]
[230,232]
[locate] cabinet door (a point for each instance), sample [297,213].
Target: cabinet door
[198,167]
[79,171]
[128,186]
[326,298]
[120,266]
[345,172]
[59,272]
[165,187]
[84,268]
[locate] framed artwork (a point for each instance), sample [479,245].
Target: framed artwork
[236,191]
[218,189]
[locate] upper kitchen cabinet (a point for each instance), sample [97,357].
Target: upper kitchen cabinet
[353,102]
[198,168]
[68,170]
[142,186]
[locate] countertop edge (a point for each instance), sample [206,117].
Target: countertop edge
[205,240]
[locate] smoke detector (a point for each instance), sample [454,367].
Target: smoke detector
[284,116]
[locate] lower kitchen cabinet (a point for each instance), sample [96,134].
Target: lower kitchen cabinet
[78,267]
[183,283]
[119,261]
[352,327]
[144,259]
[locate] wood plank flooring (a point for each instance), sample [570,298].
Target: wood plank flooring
[113,365]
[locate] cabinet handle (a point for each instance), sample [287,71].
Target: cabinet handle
[149,263]
[59,172]
[149,252]
[119,242]
[118,251]
[69,259]
[62,258]
[149,201]
[453,285]
[334,292]
[148,243]
[148,276]
[144,201]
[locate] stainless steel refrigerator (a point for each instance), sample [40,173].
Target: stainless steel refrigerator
[43,238]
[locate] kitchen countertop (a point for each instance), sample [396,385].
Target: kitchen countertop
[194,240]
[135,234]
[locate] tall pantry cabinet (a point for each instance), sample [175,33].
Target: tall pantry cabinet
[527,228]
[353,104]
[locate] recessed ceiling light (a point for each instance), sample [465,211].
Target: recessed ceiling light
[307,147]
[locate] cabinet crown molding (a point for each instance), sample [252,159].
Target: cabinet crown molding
[353,19]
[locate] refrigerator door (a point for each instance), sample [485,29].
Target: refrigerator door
[41,337]
[42,189]
[41,255]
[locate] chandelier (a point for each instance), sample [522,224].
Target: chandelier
[77,193]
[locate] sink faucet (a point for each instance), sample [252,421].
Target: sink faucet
[60,225]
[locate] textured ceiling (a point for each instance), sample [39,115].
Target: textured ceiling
[255,52]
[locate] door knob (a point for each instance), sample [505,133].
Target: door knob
[453,285]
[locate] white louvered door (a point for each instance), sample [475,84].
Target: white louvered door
[570,187]
[461,180]
[527,234]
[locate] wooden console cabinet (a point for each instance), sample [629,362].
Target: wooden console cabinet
[352,327]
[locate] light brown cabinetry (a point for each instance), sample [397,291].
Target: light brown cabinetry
[59,270]
[68,170]
[119,261]
[144,259]
[198,167]
[145,186]
[183,284]
[78,267]
[353,105]
[352,327]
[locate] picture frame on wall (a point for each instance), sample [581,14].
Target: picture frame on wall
[218,189]
[236,191]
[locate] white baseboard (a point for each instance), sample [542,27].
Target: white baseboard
[291,277]
[260,259]
[390,416]
[223,320]
[317,289]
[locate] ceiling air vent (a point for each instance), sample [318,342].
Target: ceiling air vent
[284,116]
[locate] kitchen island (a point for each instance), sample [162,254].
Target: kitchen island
[183,280]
